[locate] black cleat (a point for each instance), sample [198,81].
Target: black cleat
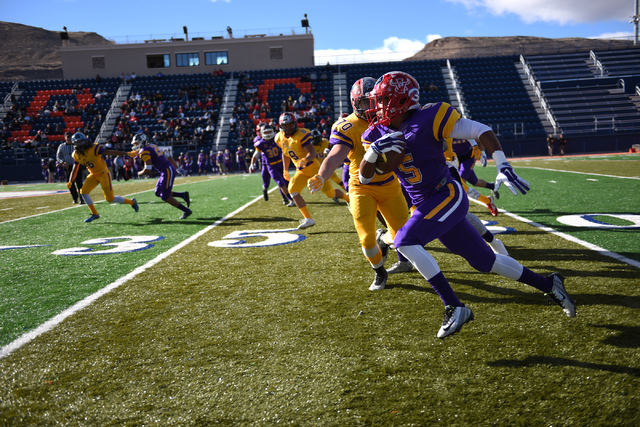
[186,199]
[186,214]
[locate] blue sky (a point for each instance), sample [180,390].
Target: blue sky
[391,29]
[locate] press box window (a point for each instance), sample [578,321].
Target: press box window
[216,58]
[158,61]
[187,60]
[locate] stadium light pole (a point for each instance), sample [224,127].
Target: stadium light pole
[635,19]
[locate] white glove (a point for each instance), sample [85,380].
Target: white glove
[182,171]
[326,151]
[390,142]
[507,175]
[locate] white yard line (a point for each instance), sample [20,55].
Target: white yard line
[53,322]
[568,237]
[581,173]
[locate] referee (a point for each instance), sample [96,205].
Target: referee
[64,155]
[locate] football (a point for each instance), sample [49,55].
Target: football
[389,161]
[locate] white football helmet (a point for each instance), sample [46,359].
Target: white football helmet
[267,133]
[139,141]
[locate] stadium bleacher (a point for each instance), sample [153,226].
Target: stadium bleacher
[585,91]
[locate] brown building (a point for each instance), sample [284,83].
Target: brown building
[179,56]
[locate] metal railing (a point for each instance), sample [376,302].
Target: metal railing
[541,98]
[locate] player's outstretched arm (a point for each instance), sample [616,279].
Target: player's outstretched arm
[484,135]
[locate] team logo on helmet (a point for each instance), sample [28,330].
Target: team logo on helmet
[400,85]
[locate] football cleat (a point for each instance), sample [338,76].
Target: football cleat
[498,247]
[560,296]
[91,218]
[492,207]
[306,223]
[187,199]
[265,194]
[291,204]
[135,205]
[335,199]
[384,247]
[186,214]
[400,267]
[454,319]
[495,194]
[380,280]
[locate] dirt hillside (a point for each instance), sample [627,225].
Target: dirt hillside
[31,53]
[468,47]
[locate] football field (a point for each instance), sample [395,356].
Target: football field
[235,317]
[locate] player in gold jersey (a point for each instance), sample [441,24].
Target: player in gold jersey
[296,145]
[322,148]
[382,193]
[90,155]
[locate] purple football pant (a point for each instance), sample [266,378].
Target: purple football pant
[164,186]
[443,217]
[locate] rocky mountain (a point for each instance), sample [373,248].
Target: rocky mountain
[31,53]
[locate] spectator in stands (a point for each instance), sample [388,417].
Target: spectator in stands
[64,155]
[433,87]
[233,121]
[550,143]
[561,144]
[159,76]
[98,79]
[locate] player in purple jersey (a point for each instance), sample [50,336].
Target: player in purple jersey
[228,162]
[272,166]
[400,124]
[242,164]
[202,163]
[153,157]
[467,152]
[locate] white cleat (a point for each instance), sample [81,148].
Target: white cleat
[454,319]
[498,247]
[306,223]
[400,267]
[380,281]
[560,296]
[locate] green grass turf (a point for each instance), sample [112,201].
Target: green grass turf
[291,335]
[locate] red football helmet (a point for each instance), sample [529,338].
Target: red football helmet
[359,95]
[288,123]
[394,94]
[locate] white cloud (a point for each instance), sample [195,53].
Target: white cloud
[560,11]
[393,49]
[618,35]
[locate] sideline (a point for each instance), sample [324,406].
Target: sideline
[580,173]
[56,320]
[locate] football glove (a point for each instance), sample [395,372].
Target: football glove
[479,155]
[389,142]
[327,151]
[182,172]
[510,179]
[69,184]
[315,183]
[285,175]
[132,154]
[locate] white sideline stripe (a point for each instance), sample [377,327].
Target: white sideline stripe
[568,237]
[80,206]
[53,322]
[581,173]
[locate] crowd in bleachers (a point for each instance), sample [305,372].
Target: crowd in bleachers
[35,123]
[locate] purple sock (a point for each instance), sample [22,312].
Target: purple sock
[490,186]
[534,279]
[440,284]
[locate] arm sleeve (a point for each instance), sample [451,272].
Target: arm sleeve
[468,129]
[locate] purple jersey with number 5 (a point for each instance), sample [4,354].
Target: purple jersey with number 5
[423,171]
